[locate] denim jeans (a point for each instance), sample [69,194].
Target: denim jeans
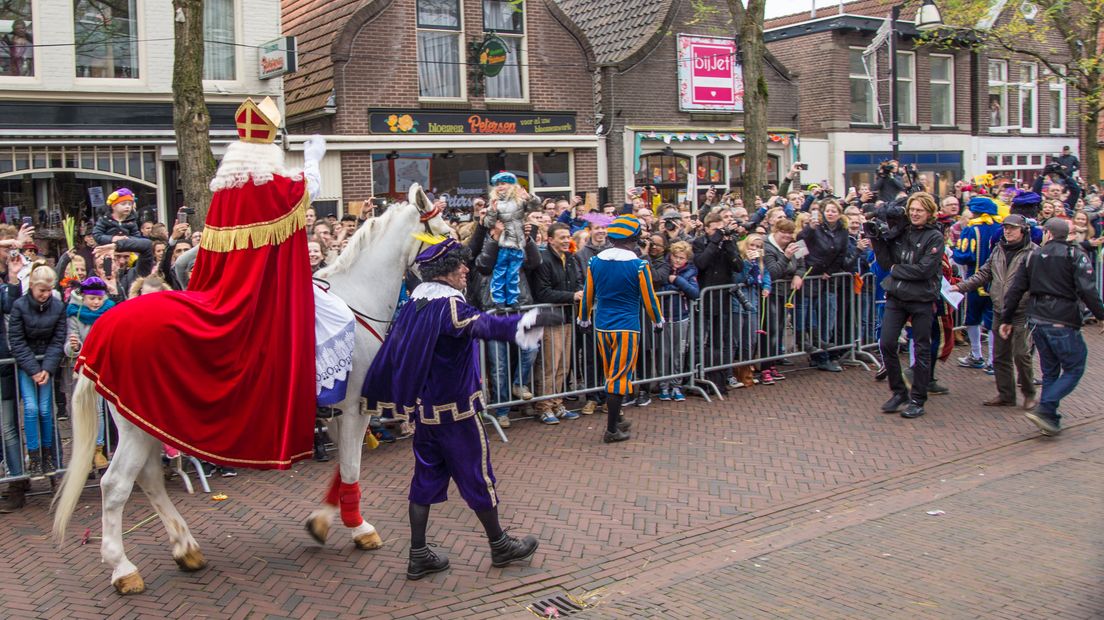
[13,454]
[821,306]
[502,378]
[506,277]
[38,412]
[1062,354]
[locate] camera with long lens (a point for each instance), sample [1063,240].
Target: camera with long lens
[670,225]
[886,168]
[742,299]
[887,222]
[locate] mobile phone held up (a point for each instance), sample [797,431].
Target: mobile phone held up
[108,263]
[802,166]
[181,217]
[27,221]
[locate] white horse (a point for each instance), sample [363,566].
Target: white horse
[367,277]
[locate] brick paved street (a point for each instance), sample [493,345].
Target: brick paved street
[701,490]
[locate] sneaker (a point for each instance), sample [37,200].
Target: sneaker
[228,472]
[733,384]
[620,435]
[989,370]
[894,404]
[428,563]
[936,387]
[777,376]
[549,418]
[665,394]
[971,362]
[522,392]
[677,394]
[766,377]
[589,407]
[642,399]
[882,373]
[507,550]
[1046,423]
[503,420]
[568,415]
[914,410]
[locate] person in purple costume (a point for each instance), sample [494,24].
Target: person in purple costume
[428,372]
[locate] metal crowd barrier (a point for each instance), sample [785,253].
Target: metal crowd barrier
[13,431]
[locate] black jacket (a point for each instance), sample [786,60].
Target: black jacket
[557,278]
[107,227]
[914,261]
[717,260]
[1057,275]
[37,329]
[829,250]
[8,294]
[781,268]
[886,188]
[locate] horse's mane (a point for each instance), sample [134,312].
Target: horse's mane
[346,259]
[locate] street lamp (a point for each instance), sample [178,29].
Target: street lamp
[927,18]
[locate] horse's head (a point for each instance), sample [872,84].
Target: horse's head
[429,215]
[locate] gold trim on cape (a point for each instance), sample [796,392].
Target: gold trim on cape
[260,234]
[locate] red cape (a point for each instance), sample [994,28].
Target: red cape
[225,370]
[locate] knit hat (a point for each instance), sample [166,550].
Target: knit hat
[1026,198]
[624,227]
[93,286]
[120,195]
[979,205]
[1058,228]
[504,177]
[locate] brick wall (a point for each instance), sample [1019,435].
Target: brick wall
[647,93]
[382,72]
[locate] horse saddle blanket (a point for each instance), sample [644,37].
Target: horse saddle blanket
[334,341]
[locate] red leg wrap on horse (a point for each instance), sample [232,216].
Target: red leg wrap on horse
[350,504]
[331,494]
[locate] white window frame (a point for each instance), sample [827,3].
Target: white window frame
[872,107]
[1029,86]
[554,189]
[950,83]
[1057,83]
[36,77]
[143,56]
[238,60]
[911,83]
[523,61]
[1003,85]
[463,62]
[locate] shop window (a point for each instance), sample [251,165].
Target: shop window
[942,90]
[16,39]
[106,34]
[506,18]
[991,160]
[440,66]
[710,169]
[458,178]
[1029,101]
[906,88]
[551,170]
[863,102]
[998,96]
[660,169]
[218,34]
[736,170]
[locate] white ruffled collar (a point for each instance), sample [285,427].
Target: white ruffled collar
[435,290]
[617,254]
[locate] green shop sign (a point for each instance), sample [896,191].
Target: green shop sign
[492,56]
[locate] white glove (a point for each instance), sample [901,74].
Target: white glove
[314,149]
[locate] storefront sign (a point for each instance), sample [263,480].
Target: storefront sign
[277,58]
[708,74]
[492,57]
[470,123]
[96,197]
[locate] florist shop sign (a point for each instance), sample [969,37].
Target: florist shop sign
[469,123]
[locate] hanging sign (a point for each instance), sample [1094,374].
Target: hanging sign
[492,56]
[276,58]
[709,76]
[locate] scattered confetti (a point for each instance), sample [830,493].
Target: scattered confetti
[220,497]
[936,513]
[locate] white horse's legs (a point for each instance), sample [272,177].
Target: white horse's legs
[130,458]
[343,494]
[185,550]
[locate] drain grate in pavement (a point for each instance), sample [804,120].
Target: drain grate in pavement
[557,606]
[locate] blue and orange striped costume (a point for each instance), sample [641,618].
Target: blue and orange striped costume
[617,283]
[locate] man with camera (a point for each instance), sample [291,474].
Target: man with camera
[1063,187]
[718,260]
[888,184]
[911,251]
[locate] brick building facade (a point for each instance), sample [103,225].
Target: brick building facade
[649,137]
[946,126]
[396,86]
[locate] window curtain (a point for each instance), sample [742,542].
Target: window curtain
[218,34]
[106,36]
[438,64]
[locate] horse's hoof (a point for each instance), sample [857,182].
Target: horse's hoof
[368,542]
[191,561]
[130,584]
[318,528]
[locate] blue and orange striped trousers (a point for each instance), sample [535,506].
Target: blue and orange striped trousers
[619,350]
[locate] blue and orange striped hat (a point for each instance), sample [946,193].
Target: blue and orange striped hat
[624,227]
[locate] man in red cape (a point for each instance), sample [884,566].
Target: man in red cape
[225,371]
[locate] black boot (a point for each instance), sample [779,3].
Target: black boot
[320,454]
[16,499]
[623,424]
[893,405]
[507,550]
[35,466]
[48,464]
[425,562]
[914,410]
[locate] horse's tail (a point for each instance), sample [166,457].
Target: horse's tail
[83,418]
